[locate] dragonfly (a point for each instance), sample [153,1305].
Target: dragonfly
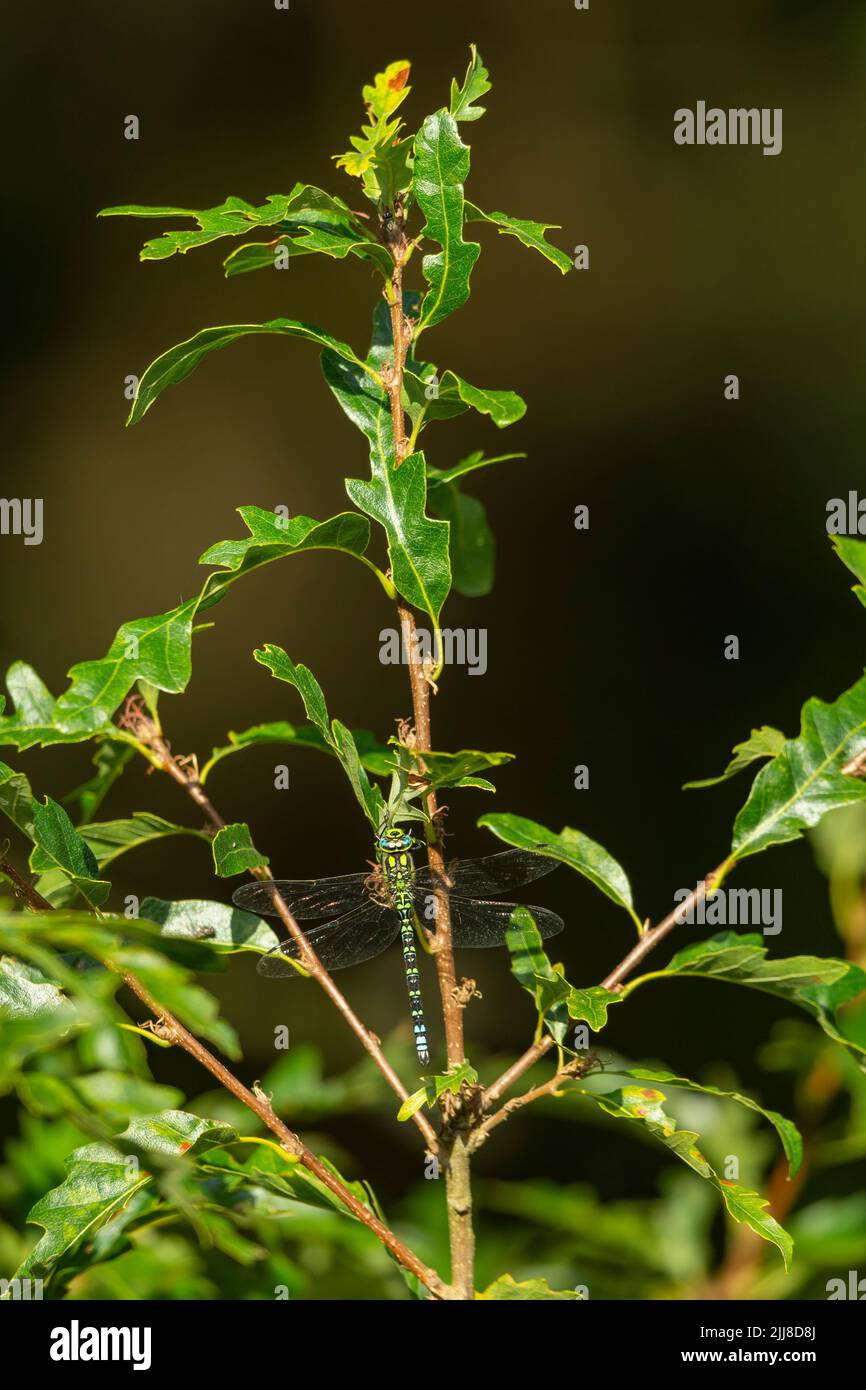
[365,912]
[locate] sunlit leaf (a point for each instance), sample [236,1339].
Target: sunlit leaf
[441,167]
[820,985]
[234,851]
[220,924]
[179,361]
[643,1105]
[475,85]
[507,1289]
[58,845]
[338,738]
[806,779]
[101,1179]
[109,839]
[791,1139]
[761,743]
[450,1082]
[531,234]
[570,847]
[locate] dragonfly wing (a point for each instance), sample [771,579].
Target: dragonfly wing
[306,898]
[357,936]
[480,924]
[493,876]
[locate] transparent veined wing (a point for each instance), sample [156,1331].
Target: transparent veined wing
[480,924]
[359,935]
[491,877]
[305,898]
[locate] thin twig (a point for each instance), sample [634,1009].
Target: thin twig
[568,1073]
[172,1030]
[454,1145]
[186,777]
[648,941]
[24,890]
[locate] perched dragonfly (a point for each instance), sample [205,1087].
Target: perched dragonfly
[367,912]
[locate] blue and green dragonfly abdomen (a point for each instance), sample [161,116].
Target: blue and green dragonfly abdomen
[398,871]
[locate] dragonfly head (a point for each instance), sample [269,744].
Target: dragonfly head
[392,837]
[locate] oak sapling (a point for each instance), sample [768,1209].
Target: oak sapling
[419,533]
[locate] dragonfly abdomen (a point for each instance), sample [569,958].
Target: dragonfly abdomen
[399,875]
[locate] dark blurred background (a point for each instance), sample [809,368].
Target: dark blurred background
[605,647]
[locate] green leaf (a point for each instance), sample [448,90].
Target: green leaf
[375,757]
[451,1082]
[338,738]
[417,546]
[570,847]
[791,1139]
[820,985]
[273,537]
[475,85]
[334,241]
[643,1105]
[441,166]
[156,650]
[35,1016]
[531,234]
[451,396]
[765,742]
[853,554]
[588,1005]
[280,664]
[33,721]
[388,89]
[24,995]
[114,1097]
[805,778]
[471,543]
[534,972]
[16,799]
[59,846]
[304,207]
[109,839]
[101,1180]
[163,964]
[450,769]
[278,732]
[109,760]
[440,477]
[284,1175]
[179,361]
[506,1288]
[223,926]
[378,157]
[394,496]
[234,851]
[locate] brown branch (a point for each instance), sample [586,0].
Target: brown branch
[568,1073]
[185,774]
[454,1147]
[172,1030]
[24,890]
[648,941]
